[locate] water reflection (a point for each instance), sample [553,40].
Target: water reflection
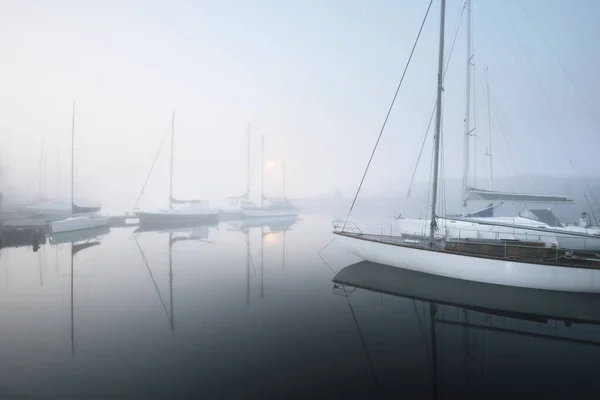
[155,309]
[192,232]
[79,240]
[274,225]
[474,307]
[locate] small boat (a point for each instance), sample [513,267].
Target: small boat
[175,226]
[80,218]
[275,224]
[233,207]
[77,223]
[79,235]
[269,207]
[196,211]
[179,210]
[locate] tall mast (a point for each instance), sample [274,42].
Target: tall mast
[57,173]
[283,177]
[467,127]
[41,172]
[248,164]
[73,158]
[438,120]
[171,163]
[262,169]
[489,121]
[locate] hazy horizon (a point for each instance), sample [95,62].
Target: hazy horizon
[314,78]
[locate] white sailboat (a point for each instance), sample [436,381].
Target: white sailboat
[478,224]
[184,210]
[80,218]
[495,261]
[269,207]
[234,206]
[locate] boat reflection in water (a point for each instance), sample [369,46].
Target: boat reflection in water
[78,236]
[522,311]
[195,232]
[275,225]
[80,240]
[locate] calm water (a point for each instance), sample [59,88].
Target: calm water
[225,314]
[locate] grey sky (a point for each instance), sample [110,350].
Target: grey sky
[315,77]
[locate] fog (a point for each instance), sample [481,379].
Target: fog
[315,78]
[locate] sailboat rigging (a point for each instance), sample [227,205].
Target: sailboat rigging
[269,207]
[525,221]
[189,210]
[199,233]
[497,260]
[79,240]
[77,221]
[234,207]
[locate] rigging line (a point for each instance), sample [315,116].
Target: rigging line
[152,277]
[151,168]
[504,142]
[575,87]
[326,263]
[591,210]
[552,109]
[426,133]
[389,110]
[504,157]
[506,133]
[364,344]
[251,258]
[503,137]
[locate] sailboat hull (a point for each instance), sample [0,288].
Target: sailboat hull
[77,224]
[161,217]
[265,213]
[380,249]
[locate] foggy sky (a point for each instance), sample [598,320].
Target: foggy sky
[314,77]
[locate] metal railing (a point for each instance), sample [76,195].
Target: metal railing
[346,226]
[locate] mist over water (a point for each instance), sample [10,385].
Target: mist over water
[123,104]
[272,324]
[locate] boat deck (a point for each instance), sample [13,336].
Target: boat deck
[530,252]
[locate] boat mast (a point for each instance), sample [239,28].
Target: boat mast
[248,164]
[283,177]
[467,127]
[489,121]
[57,173]
[171,163]
[438,120]
[73,159]
[262,169]
[41,172]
